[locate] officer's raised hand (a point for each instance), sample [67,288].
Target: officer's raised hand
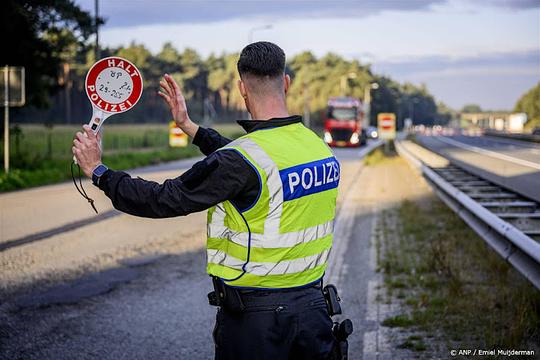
[87,150]
[171,93]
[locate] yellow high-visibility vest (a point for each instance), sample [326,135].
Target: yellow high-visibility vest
[284,238]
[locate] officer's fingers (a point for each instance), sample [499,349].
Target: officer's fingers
[165,92]
[89,132]
[169,82]
[178,93]
[98,136]
[76,143]
[163,83]
[174,85]
[81,137]
[166,87]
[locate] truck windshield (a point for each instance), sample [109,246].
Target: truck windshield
[342,113]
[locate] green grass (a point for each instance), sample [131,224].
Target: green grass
[398,321]
[381,154]
[413,342]
[41,155]
[452,284]
[375,157]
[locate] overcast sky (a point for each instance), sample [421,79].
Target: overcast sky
[484,51]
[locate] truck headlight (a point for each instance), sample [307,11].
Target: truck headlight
[374,134]
[327,137]
[355,138]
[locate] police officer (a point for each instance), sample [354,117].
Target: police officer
[271,198]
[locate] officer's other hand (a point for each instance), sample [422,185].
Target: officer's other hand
[87,150]
[171,93]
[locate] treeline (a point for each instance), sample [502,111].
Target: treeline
[529,103]
[209,86]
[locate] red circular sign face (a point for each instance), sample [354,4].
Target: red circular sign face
[114,85]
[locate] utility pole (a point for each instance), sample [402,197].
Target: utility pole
[307,119]
[14,95]
[67,92]
[367,102]
[96,24]
[411,108]
[6,119]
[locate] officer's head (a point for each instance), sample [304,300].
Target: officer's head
[262,73]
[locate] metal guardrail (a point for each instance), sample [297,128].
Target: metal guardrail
[506,221]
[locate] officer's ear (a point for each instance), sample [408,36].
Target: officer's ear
[287,82]
[242,88]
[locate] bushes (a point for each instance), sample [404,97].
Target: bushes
[42,156]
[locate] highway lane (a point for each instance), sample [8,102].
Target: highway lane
[532,150]
[120,287]
[513,150]
[510,163]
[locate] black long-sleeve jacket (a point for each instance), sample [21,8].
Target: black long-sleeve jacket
[222,175]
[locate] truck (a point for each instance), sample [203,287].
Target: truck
[343,122]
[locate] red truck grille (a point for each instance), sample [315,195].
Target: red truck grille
[341,134]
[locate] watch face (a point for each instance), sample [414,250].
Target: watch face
[100,170]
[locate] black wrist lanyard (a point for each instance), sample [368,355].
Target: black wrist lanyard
[81,190]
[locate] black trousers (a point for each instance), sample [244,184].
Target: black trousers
[275,325]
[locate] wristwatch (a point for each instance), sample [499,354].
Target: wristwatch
[98,172]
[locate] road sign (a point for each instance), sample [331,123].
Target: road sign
[13,76]
[177,138]
[113,85]
[13,95]
[386,123]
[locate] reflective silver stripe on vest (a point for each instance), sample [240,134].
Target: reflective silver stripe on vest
[285,240]
[266,268]
[273,181]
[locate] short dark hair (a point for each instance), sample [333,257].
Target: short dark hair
[262,59]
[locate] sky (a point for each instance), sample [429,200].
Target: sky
[485,52]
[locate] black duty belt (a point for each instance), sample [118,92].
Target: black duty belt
[232,298]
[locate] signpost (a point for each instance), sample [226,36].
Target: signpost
[386,123]
[177,138]
[14,94]
[113,85]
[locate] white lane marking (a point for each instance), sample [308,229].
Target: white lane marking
[489,152]
[370,345]
[377,344]
[372,300]
[342,235]
[373,243]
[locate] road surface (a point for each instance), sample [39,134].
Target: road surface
[512,164]
[126,287]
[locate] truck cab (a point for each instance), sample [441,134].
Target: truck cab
[343,122]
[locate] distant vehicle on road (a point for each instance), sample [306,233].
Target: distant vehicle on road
[343,122]
[536,131]
[372,132]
